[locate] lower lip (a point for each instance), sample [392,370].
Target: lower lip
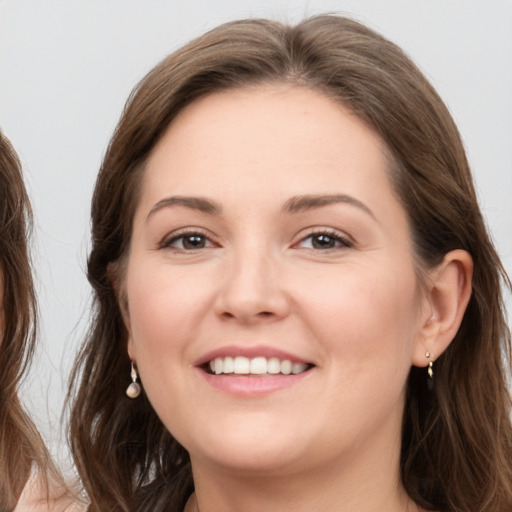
[247,385]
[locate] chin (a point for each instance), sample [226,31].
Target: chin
[251,451]
[254,463]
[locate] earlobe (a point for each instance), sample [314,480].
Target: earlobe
[448,290]
[117,286]
[129,344]
[130,348]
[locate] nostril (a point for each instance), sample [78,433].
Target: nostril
[262,314]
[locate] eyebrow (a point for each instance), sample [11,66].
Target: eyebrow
[200,204]
[304,203]
[296,204]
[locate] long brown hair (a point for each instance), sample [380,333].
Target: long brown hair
[457,438]
[21,447]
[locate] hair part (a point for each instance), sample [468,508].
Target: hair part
[457,439]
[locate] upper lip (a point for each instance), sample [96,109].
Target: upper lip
[249,352]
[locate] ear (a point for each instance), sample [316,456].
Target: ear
[130,348]
[447,293]
[125,312]
[113,276]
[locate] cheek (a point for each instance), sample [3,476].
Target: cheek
[365,317]
[163,308]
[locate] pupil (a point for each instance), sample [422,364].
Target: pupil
[193,242]
[323,242]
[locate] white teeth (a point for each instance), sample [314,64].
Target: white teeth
[257,366]
[286,367]
[229,365]
[242,365]
[274,365]
[298,368]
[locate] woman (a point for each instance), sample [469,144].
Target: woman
[29,481]
[291,268]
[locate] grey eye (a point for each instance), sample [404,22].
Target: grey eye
[324,241]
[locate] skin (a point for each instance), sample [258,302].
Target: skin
[262,276]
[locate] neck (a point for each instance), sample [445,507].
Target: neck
[347,486]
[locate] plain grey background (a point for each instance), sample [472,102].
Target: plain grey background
[67,67]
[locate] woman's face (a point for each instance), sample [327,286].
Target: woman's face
[268,239]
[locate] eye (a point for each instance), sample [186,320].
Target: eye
[190,241]
[324,240]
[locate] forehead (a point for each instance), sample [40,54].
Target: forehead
[251,124]
[251,151]
[252,116]
[263,145]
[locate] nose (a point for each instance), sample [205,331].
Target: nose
[252,291]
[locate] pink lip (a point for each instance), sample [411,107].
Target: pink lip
[252,385]
[249,352]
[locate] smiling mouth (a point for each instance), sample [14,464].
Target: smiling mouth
[241,365]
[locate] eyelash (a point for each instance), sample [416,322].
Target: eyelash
[167,242]
[342,242]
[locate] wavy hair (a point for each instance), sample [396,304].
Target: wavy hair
[25,463]
[457,439]
[21,446]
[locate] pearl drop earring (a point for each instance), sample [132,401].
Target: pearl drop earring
[134,389]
